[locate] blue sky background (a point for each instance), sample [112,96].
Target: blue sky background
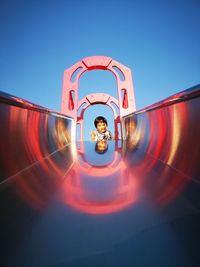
[158,40]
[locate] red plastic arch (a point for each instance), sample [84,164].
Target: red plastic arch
[126,98]
[99,98]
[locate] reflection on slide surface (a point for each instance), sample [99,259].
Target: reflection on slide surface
[78,207]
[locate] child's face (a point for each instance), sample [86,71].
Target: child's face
[101,127]
[102,145]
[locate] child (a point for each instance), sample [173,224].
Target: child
[102,133]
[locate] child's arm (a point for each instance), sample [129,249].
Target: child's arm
[111,136]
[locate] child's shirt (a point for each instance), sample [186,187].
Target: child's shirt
[102,136]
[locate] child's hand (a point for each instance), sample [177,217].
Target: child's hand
[93,135]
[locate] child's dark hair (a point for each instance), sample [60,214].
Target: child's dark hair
[100,151]
[98,119]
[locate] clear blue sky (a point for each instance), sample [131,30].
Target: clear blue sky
[158,40]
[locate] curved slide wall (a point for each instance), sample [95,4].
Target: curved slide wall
[169,131]
[31,134]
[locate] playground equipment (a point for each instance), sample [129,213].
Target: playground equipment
[126,99]
[61,196]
